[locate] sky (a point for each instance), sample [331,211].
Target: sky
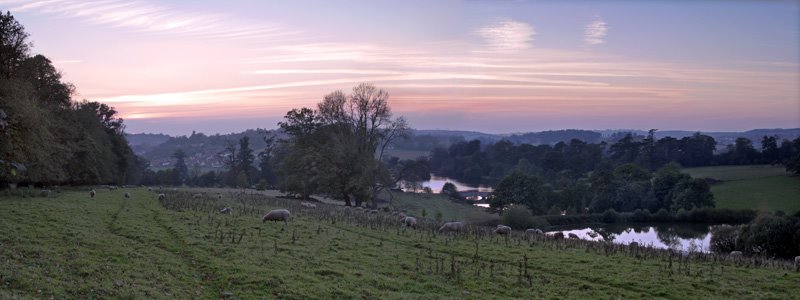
[494,66]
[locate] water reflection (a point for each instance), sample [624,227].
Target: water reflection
[683,237]
[436,183]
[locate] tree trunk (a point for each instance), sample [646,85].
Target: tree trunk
[346,199]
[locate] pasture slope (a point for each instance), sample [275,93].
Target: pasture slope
[761,187]
[71,246]
[415,203]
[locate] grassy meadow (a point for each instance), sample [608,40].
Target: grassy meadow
[432,203]
[71,246]
[761,187]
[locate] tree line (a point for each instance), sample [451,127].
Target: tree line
[45,136]
[579,177]
[565,162]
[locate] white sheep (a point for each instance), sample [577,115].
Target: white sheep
[533,231]
[797,263]
[149,189]
[451,226]
[92,193]
[277,215]
[127,195]
[502,230]
[736,254]
[161,197]
[226,210]
[197,196]
[409,221]
[308,204]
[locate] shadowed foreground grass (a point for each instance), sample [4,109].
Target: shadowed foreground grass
[75,247]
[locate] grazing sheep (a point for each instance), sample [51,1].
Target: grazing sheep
[736,254]
[797,263]
[409,221]
[533,231]
[127,195]
[277,215]
[219,196]
[451,226]
[573,236]
[308,205]
[161,197]
[558,235]
[226,210]
[92,193]
[197,196]
[402,215]
[149,189]
[502,230]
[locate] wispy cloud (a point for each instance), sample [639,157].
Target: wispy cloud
[595,32]
[151,18]
[508,35]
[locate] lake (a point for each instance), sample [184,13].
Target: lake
[682,237]
[436,183]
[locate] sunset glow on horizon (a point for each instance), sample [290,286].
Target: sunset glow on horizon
[213,67]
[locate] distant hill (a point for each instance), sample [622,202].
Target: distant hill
[203,150]
[723,138]
[467,135]
[143,142]
[555,136]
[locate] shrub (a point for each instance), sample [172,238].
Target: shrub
[610,216]
[262,185]
[640,215]
[682,216]
[723,238]
[662,216]
[518,217]
[771,236]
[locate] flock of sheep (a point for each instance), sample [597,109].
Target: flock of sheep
[283,215]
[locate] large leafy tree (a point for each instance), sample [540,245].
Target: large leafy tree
[14,44]
[793,163]
[343,140]
[518,188]
[181,169]
[266,165]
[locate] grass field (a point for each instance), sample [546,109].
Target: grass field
[71,246]
[762,187]
[432,203]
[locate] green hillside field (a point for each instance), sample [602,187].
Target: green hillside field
[71,246]
[762,187]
